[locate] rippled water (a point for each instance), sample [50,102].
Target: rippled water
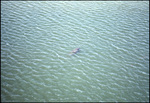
[38,36]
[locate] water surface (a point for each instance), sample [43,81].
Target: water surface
[112,65]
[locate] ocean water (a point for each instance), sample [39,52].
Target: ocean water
[111,66]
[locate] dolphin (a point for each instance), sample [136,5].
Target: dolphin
[75,51]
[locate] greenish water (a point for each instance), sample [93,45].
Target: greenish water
[38,36]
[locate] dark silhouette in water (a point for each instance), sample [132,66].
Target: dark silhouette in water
[75,51]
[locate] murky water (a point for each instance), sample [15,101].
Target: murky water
[38,36]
